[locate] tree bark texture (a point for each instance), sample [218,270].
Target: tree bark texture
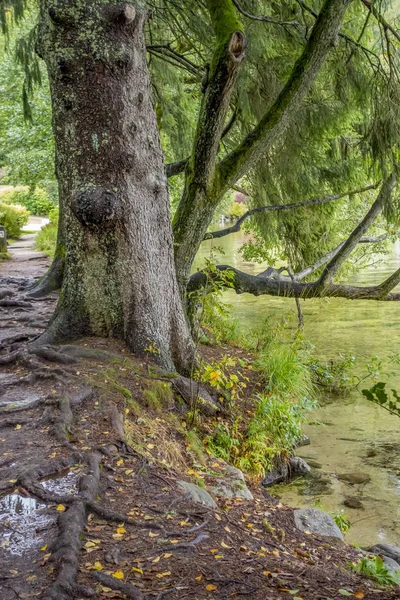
[119,277]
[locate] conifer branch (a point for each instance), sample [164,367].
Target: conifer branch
[279,207]
[263,18]
[383,198]
[278,117]
[381,20]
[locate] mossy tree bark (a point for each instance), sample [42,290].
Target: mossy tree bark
[119,276]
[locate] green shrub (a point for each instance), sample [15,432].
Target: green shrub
[237,210]
[46,239]
[273,433]
[376,569]
[13,218]
[36,201]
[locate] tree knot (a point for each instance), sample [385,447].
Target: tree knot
[96,207]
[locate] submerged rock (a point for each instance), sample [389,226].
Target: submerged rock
[354,478]
[317,521]
[352,502]
[197,494]
[294,467]
[232,485]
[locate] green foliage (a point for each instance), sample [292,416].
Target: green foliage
[285,369]
[37,201]
[237,210]
[378,395]
[46,239]
[333,375]
[224,442]
[342,520]
[376,569]
[13,218]
[219,375]
[158,395]
[273,433]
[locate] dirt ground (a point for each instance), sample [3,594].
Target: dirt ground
[90,506]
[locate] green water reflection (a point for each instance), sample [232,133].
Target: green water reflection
[356,436]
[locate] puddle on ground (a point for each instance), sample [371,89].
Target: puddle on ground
[62,485]
[22,521]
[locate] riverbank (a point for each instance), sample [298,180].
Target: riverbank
[94,452]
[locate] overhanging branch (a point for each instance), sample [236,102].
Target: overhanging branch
[286,288]
[263,18]
[279,207]
[340,257]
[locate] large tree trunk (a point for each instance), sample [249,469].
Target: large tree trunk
[119,277]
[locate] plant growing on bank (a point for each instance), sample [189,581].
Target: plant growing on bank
[342,520]
[376,569]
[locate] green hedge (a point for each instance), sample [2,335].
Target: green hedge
[36,201]
[13,218]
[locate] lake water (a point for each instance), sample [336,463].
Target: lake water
[354,436]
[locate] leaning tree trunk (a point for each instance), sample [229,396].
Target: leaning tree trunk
[119,277]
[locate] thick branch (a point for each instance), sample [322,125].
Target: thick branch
[278,117]
[176,168]
[278,207]
[383,197]
[228,55]
[285,287]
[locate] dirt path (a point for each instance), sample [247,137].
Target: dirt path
[90,505]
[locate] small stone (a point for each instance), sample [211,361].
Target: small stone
[352,502]
[354,478]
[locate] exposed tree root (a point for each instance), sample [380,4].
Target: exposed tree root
[130,591]
[71,524]
[50,354]
[15,303]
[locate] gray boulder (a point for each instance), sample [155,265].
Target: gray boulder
[387,550]
[231,485]
[318,522]
[196,494]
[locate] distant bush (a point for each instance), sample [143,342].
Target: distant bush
[46,239]
[13,218]
[36,201]
[237,210]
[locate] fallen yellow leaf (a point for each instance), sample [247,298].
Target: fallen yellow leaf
[119,463]
[118,575]
[161,575]
[44,548]
[136,570]
[167,555]
[60,508]
[98,566]
[18,426]
[151,534]
[121,530]
[210,587]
